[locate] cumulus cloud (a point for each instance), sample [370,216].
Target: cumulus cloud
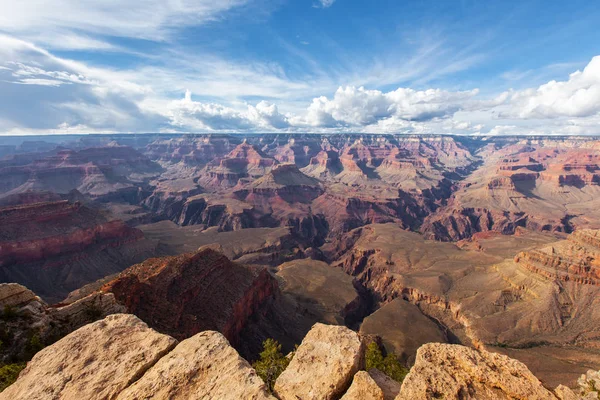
[192,115]
[41,92]
[267,115]
[579,97]
[361,107]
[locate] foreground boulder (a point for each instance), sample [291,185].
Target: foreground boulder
[95,362]
[363,388]
[323,365]
[457,372]
[204,366]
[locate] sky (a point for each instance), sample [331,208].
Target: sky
[240,66]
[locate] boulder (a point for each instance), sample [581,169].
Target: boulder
[363,388]
[565,393]
[323,365]
[204,366]
[95,362]
[15,295]
[390,387]
[457,372]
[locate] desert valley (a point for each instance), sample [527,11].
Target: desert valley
[492,243]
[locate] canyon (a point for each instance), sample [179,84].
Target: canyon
[485,242]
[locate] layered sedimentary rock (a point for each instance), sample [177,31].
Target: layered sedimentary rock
[107,173]
[483,297]
[25,315]
[186,294]
[56,247]
[576,259]
[244,161]
[189,151]
[544,185]
[365,180]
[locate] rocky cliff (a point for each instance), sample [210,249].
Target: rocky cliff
[186,294]
[485,296]
[120,357]
[56,247]
[25,316]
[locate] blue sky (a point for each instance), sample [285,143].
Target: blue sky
[463,67]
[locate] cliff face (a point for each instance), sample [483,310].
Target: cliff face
[106,173]
[120,357]
[30,316]
[548,294]
[56,247]
[541,185]
[186,294]
[573,260]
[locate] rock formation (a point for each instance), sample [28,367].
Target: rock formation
[107,173]
[186,294]
[97,361]
[25,315]
[204,366]
[486,297]
[363,388]
[457,372]
[121,358]
[323,365]
[56,247]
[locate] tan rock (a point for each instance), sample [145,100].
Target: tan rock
[564,393]
[458,372]
[15,295]
[323,365]
[83,311]
[95,362]
[589,385]
[204,366]
[390,387]
[363,388]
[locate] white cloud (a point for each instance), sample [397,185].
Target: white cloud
[578,97]
[192,115]
[360,107]
[142,19]
[41,92]
[267,115]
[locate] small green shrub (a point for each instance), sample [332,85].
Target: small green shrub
[9,313]
[9,373]
[389,364]
[271,363]
[33,346]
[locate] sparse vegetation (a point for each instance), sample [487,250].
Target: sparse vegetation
[93,312]
[33,346]
[9,313]
[9,373]
[389,364]
[271,363]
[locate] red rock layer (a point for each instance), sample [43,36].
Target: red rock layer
[57,247]
[574,260]
[190,293]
